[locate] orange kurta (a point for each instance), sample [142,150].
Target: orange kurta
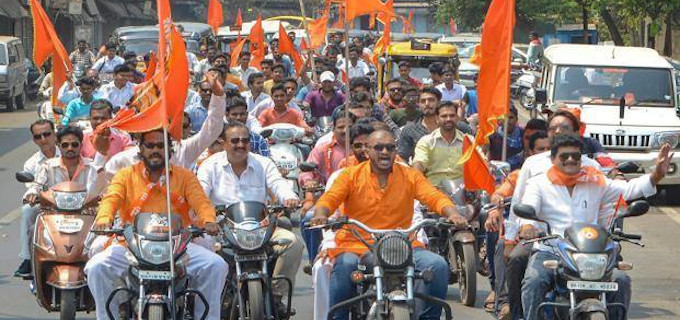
[507,188]
[129,184]
[358,189]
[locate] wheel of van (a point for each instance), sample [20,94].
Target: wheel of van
[20,100]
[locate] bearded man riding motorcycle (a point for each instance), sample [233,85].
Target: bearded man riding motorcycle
[567,193]
[381,195]
[141,188]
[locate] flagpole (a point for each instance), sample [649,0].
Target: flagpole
[169,204]
[346,85]
[309,39]
[504,154]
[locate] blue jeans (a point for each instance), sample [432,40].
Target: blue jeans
[538,280]
[312,237]
[343,289]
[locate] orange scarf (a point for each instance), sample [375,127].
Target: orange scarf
[586,175]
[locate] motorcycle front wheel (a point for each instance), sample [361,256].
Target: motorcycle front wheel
[255,300]
[399,312]
[67,310]
[467,276]
[156,312]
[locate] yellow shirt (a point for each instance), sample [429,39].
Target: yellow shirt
[268,85]
[129,184]
[439,157]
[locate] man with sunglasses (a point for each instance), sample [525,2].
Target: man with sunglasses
[44,136]
[381,194]
[569,192]
[394,98]
[411,111]
[237,175]
[198,112]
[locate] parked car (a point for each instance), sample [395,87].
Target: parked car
[13,73]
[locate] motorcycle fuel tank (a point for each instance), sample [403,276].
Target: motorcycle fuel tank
[587,238]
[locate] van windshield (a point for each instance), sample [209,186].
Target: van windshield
[420,68]
[3,57]
[594,85]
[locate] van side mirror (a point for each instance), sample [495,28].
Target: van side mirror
[24,177]
[541,96]
[637,208]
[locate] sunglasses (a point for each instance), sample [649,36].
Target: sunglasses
[151,145]
[206,90]
[395,89]
[241,140]
[358,145]
[74,144]
[381,147]
[566,155]
[43,135]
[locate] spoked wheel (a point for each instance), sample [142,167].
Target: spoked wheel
[467,279]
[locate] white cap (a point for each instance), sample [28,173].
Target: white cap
[327,76]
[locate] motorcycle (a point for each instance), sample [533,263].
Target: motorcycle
[61,229]
[153,292]
[246,245]
[459,247]
[286,144]
[588,255]
[526,89]
[82,122]
[388,292]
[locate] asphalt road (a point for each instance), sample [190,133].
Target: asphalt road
[656,280]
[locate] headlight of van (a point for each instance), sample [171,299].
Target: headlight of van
[670,137]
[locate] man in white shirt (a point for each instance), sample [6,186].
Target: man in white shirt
[188,150]
[192,60]
[243,70]
[120,90]
[569,193]
[44,136]
[357,67]
[451,90]
[237,175]
[107,63]
[255,95]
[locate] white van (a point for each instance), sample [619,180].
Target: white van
[628,96]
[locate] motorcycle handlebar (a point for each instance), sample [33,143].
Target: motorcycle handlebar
[411,229]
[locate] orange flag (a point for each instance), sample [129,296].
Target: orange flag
[356,8]
[317,32]
[408,23]
[340,23]
[494,73]
[476,174]
[452,26]
[257,44]
[286,46]
[303,45]
[371,21]
[215,17]
[151,70]
[47,44]
[236,52]
[239,20]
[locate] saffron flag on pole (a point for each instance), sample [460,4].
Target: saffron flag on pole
[356,8]
[47,44]
[494,72]
[236,52]
[317,31]
[408,23]
[476,174]
[286,46]
[151,70]
[215,14]
[239,20]
[452,27]
[257,43]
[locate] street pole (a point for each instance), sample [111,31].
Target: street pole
[309,39]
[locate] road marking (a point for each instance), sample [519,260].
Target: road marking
[674,215]
[8,218]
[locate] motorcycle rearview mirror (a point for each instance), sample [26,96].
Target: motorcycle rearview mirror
[58,111]
[525,211]
[541,96]
[637,208]
[266,133]
[628,167]
[308,166]
[24,177]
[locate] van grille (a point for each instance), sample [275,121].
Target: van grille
[639,142]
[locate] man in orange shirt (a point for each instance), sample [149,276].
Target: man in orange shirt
[281,113]
[381,194]
[141,188]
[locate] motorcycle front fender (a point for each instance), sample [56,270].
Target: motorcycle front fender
[587,306]
[464,236]
[66,276]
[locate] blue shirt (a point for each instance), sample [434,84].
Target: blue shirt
[197,114]
[471,103]
[76,109]
[302,94]
[258,144]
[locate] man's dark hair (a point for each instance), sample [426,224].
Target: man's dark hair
[565,140]
[436,68]
[342,114]
[354,48]
[432,91]
[252,77]
[410,88]
[82,41]
[359,129]
[233,124]
[277,87]
[536,124]
[513,110]
[360,96]
[279,66]
[221,71]
[268,62]
[87,81]
[67,130]
[222,55]
[448,69]
[360,82]
[404,63]
[291,80]
[448,104]
[237,102]
[535,136]
[110,46]
[243,53]
[141,135]
[41,122]
[127,55]
[393,80]
[101,104]
[121,68]
[564,113]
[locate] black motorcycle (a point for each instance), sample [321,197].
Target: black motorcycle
[386,276]
[588,255]
[152,291]
[246,245]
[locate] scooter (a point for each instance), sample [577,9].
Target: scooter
[526,89]
[61,230]
[588,254]
[286,144]
[246,245]
[153,292]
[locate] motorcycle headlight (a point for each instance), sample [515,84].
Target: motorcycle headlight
[69,201]
[394,251]
[590,266]
[249,239]
[155,252]
[670,137]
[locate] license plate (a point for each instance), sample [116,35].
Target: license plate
[592,286]
[154,275]
[70,225]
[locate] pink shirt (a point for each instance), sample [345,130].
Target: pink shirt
[118,142]
[320,156]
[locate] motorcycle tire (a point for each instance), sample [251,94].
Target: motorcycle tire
[255,300]
[156,312]
[594,316]
[467,279]
[67,308]
[399,312]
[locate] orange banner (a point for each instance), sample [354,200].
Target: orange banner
[286,46]
[476,174]
[215,18]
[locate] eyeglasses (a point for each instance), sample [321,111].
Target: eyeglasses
[151,145]
[566,155]
[43,135]
[74,144]
[206,90]
[244,140]
[381,147]
[564,127]
[358,145]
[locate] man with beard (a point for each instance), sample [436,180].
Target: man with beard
[204,65]
[322,102]
[142,188]
[43,136]
[237,175]
[410,112]
[413,131]
[278,74]
[328,156]
[231,81]
[381,194]
[437,153]
[82,56]
[394,99]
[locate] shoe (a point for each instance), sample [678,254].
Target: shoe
[24,269]
[490,302]
[504,312]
